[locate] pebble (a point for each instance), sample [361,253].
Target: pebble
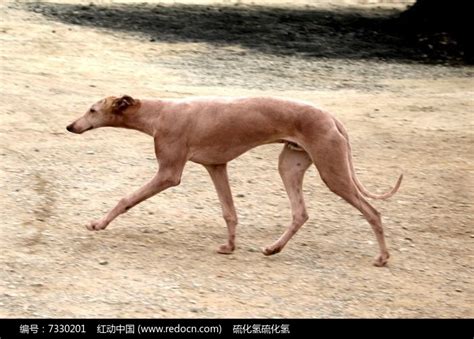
[103,262]
[240,195]
[90,152]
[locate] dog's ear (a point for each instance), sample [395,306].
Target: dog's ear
[122,103]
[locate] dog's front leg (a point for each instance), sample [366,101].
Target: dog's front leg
[219,177]
[168,175]
[159,183]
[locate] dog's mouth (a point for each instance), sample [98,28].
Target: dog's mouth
[71,129]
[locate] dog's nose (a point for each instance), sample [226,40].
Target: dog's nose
[69,128]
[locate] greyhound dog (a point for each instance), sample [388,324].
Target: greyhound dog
[213,131]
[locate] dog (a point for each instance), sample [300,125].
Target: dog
[212,131]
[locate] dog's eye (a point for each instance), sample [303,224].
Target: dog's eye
[92,110]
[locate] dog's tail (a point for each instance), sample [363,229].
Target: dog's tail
[356,181]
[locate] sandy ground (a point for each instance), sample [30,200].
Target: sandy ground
[159,259]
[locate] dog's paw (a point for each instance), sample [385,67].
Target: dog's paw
[96,225]
[225,249]
[270,250]
[381,260]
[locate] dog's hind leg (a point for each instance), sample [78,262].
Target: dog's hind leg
[220,179]
[292,166]
[330,155]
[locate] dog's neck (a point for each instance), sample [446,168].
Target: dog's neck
[141,115]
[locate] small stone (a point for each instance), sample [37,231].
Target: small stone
[37,284]
[240,195]
[194,310]
[458,290]
[251,249]
[103,262]
[90,152]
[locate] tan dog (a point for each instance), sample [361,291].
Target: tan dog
[213,131]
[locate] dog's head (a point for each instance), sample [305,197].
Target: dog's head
[110,111]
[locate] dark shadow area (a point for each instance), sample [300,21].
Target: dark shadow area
[306,33]
[439,26]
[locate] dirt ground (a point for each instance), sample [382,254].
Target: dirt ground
[159,259]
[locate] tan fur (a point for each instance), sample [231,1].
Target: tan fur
[213,131]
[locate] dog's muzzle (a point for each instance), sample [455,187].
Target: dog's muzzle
[73,128]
